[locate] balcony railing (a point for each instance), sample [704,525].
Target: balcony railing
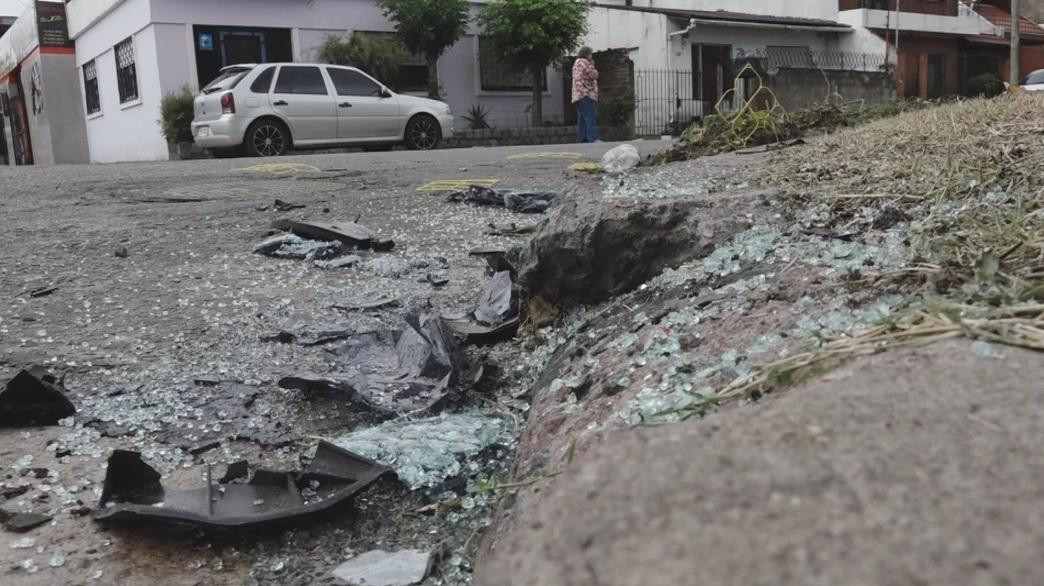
[936,7]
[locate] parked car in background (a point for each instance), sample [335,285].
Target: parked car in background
[1034,82]
[265,110]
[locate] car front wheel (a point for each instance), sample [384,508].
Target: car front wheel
[267,138]
[423,133]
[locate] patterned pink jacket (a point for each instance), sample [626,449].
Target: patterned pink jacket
[585,80]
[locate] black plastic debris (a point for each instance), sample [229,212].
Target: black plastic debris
[309,330]
[23,522]
[230,411]
[525,202]
[285,206]
[133,492]
[10,492]
[350,233]
[495,319]
[236,471]
[512,229]
[392,371]
[499,259]
[436,278]
[378,302]
[42,292]
[34,397]
[293,246]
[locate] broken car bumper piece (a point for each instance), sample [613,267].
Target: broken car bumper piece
[34,397]
[350,233]
[133,491]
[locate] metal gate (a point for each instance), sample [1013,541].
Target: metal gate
[666,101]
[23,146]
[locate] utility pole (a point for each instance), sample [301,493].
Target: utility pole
[899,83]
[1015,22]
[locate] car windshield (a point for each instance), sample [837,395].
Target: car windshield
[227,80]
[1034,78]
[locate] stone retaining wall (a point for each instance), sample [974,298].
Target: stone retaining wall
[492,137]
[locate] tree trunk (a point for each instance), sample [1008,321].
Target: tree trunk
[433,78]
[538,96]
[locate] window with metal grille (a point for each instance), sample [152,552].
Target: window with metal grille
[90,87]
[126,72]
[497,75]
[413,70]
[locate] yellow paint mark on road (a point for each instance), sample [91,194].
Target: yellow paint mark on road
[586,166]
[281,169]
[456,184]
[548,155]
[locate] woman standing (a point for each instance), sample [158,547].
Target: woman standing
[585,96]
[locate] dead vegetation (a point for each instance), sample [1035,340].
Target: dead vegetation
[762,120]
[970,175]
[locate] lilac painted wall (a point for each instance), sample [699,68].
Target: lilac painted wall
[458,66]
[166,61]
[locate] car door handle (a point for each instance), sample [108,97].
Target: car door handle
[344,105]
[280,103]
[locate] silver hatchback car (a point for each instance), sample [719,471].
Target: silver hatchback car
[266,110]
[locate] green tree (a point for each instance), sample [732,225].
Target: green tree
[534,34]
[381,57]
[428,28]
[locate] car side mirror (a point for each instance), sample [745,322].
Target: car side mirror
[385,93]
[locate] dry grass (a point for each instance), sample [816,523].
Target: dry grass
[1021,326]
[971,176]
[962,148]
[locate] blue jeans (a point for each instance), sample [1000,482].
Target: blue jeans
[586,120]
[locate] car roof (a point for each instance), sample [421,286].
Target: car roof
[253,65]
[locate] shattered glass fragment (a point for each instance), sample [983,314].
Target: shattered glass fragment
[428,451]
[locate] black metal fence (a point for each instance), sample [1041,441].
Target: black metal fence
[666,101]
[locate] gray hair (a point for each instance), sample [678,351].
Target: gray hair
[585,52]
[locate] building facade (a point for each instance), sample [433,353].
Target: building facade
[41,117]
[130,53]
[688,51]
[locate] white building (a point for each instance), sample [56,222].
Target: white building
[41,117]
[686,52]
[133,52]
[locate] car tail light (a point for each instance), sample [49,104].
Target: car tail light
[228,104]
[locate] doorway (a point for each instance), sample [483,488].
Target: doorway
[221,46]
[19,116]
[237,47]
[936,76]
[712,69]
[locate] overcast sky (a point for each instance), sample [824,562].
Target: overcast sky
[12,7]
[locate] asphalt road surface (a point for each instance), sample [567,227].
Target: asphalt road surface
[145,280]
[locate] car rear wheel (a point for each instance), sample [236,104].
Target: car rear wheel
[423,133]
[267,138]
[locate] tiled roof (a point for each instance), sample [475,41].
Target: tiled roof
[727,16]
[1002,18]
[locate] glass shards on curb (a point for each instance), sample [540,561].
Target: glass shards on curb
[34,397]
[382,568]
[393,371]
[426,452]
[133,492]
[525,202]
